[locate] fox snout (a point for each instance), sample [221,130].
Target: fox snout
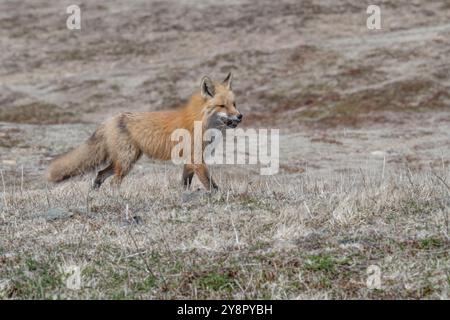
[233,121]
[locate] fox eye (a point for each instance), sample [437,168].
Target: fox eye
[221,106]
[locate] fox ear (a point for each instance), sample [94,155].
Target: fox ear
[227,81]
[207,88]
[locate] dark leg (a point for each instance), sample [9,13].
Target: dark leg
[103,175]
[188,174]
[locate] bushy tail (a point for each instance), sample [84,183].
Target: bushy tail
[84,158]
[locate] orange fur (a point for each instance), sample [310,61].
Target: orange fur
[121,140]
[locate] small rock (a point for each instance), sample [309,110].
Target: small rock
[57,213]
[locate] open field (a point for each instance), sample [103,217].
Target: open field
[364,174]
[308,237]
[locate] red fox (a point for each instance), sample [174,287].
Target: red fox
[119,142]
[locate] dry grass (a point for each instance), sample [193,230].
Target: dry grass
[309,237]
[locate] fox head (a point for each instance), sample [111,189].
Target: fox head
[220,105]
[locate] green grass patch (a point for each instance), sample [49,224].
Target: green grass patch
[430,243]
[325,263]
[216,281]
[35,279]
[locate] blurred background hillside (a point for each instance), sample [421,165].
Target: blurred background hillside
[296,63]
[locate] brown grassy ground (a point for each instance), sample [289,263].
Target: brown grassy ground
[365,150]
[310,237]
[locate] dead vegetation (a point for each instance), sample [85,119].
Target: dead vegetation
[313,237]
